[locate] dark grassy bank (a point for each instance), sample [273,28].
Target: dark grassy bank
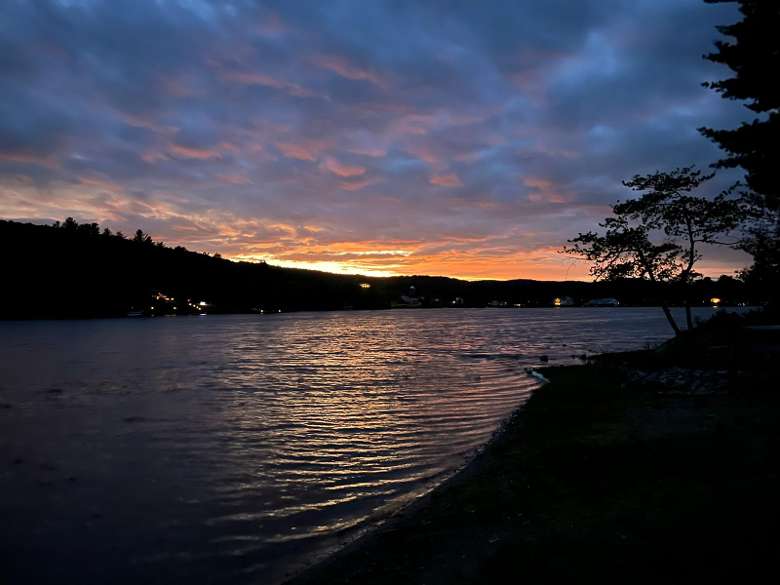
[600,478]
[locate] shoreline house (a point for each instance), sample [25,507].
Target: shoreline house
[563,302]
[410,300]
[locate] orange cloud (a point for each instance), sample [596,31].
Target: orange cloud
[449,180]
[341,169]
[476,260]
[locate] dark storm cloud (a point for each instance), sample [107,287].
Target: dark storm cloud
[396,136]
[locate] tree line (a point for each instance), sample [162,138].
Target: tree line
[73,269]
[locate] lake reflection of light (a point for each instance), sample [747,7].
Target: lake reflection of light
[241,445]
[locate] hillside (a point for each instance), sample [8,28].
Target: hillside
[77,270]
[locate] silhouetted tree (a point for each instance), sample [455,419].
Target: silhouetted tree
[142,238]
[754,57]
[667,205]
[665,211]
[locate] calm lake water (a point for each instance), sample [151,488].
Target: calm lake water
[236,449]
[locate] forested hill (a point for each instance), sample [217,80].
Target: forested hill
[79,270]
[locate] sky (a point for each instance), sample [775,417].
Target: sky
[459,138]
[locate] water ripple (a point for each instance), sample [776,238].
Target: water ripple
[238,447]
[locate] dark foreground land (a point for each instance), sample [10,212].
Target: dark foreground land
[629,469]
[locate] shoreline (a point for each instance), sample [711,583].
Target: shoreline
[595,477]
[727,308]
[387,520]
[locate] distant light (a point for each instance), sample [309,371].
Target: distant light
[151,308]
[715,300]
[365,285]
[203,303]
[174,308]
[557,301]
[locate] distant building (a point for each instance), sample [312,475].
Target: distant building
[563,302]
[497,303]
[606,302]
[411,299]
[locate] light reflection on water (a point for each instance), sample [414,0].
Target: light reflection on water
[231,449]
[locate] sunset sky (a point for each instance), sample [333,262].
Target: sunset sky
[463,138]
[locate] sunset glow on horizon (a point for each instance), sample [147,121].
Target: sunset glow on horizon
[364,138]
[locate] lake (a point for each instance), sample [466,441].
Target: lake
[237,449]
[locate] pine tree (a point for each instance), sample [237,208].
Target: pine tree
[754,57]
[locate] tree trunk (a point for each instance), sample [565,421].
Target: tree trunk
[688,316]
[670,318]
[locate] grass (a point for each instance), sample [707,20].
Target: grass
[596,481]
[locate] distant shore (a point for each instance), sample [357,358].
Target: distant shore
[616,471]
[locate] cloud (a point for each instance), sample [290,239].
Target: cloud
[182,151]
[341,169]
[308,150]
[477,137]
[448,180]
[343,67]
[253,78]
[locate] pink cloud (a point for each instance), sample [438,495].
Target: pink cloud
[28,158]
[234,179]
[544,190]
[100,183]
[412,124]
[272,26]
[253,78]
[356,185]
[152,156]
[424,153]
[341,169]
[372,151]
[344,68]
[182,151]
[449,180]
[304,150]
